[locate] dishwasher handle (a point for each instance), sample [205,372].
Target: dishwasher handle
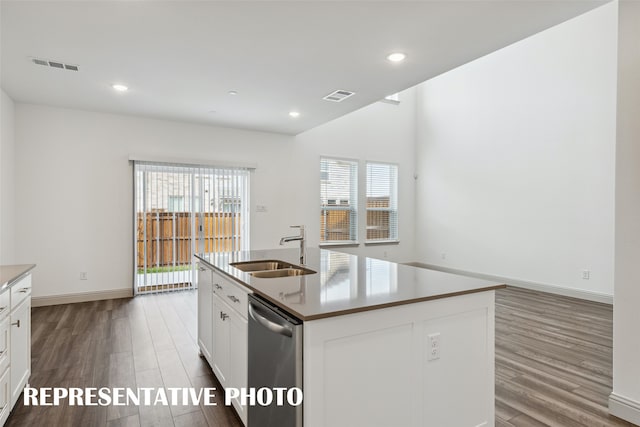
[257,314]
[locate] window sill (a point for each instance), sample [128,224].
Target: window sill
[382,242]
[339,245]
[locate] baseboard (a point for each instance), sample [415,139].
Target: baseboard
[624,408]
[542,287]
[81,297]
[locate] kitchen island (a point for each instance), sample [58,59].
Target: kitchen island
[384,344]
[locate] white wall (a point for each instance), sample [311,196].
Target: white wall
[625,400]
[7,181]
[74,183]
[515,157]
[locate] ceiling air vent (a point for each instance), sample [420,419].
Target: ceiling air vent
[55,64]
[338,96]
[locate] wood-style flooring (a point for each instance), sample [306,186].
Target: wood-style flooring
[147,341]
[553,361]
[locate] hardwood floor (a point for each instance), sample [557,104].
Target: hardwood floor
[148,341]
[553,361]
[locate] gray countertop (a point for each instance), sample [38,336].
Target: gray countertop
[9,273]
[344,283]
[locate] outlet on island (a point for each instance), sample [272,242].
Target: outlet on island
[433,346]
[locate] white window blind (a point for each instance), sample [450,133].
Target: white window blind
[181,210]
[382,202]
[338,200]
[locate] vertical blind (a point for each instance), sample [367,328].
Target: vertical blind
[182,210]
[338,200]
[382,202]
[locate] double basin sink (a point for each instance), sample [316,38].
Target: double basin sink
[271,268]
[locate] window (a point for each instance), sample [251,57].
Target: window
[382,202]
[338,201]
[176,203]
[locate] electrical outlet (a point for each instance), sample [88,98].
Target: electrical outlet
[83,275]
[586,274]
[261,208]
[443,255]
[384,254]
[433,346]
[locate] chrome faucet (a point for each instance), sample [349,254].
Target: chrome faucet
[301,237]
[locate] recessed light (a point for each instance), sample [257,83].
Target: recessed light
[120,88]
[294,114]
[233,92]
[396,57]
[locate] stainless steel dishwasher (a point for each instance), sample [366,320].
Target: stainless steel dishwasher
[275,360]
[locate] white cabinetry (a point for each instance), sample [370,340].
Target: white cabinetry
[20,349]
[15,343]
[222,330]
[5,355]
[20,335]
[238,362]
[205,321]
[230,349]
[221,344]
[230,330]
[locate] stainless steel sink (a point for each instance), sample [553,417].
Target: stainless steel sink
[295,271]
[270,268]
[262,265]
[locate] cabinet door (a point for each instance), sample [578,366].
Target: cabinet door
[5,343]
[20,348]
[221,313]
[205,319]
[5,395]
[238,358]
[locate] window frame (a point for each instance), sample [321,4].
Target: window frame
[393,209]
[352,208]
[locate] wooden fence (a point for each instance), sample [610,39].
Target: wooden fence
[169,236]
[336,223]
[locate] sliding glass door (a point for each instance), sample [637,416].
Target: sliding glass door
[181,210]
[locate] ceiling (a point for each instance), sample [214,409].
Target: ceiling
[181,58]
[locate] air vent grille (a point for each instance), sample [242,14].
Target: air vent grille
[338,95]
[55,64]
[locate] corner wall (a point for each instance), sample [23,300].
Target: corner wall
[7,180]
[516,157]
[624,402]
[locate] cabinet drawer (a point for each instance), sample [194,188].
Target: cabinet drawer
[234,295]
[4,344]
[20,290]
[5,301]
